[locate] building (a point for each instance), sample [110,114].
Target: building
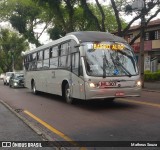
[151,44]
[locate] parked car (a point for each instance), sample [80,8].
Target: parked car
[2,76]
[17,80]
[7,77]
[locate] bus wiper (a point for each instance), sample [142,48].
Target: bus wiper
[116,62]
[124,69]
[104,66]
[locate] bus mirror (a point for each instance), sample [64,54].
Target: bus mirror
[78,45]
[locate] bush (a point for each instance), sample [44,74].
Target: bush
[151,76]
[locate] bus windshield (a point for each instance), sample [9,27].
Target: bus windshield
[110,59]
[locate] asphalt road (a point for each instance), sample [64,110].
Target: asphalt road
[131,119]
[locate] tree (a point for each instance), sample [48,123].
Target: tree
[12,44]
[62,16]
[124,7]
[25,16]
[78,15]
[108,22]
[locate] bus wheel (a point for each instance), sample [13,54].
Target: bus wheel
[68,97]
[34,88]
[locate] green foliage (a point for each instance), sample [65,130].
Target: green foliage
[151,76]
[110,19]
[59,16]
[56,32]
[24,16]
[63,16]
[11,47]
[18,23]
[76,18]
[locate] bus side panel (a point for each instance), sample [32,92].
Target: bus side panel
[78,90]
[28,78]
[39,80]
[52,82]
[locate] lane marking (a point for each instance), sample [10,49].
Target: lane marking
[140,102]
[59,133]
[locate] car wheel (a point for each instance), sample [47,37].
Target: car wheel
[68,97]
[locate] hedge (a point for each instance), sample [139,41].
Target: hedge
[151,76]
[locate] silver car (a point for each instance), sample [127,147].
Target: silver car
[16,80]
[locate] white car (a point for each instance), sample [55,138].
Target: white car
[7,78]
[2,76]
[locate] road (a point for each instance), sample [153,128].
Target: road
[130,119]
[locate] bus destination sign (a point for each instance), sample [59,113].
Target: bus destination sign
[108,46]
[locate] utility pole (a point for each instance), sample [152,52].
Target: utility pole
[142,38]
[12,55]
[140,5]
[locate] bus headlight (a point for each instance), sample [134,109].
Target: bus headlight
[139,83]
[92,85]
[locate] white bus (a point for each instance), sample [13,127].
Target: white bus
[83,65]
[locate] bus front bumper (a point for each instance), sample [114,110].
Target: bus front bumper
[112,93]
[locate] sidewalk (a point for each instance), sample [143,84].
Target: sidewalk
[14,128]
[152,86]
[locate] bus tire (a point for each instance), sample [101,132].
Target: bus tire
[34,91]
[67,95]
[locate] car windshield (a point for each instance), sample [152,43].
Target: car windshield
[9,74]
[19,75]
[110,59]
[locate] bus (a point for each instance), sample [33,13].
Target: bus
[83,65]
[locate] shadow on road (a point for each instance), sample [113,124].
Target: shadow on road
[91,104]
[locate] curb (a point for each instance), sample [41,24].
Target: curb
[44,136]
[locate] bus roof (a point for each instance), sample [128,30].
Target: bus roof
[82,36]
[96,36]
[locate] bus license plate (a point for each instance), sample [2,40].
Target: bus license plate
[108,84]
[119,94]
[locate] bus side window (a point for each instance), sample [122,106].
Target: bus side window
[46,59]
[40,60]
[63,55]
[75,63]
[26,63]
[54,57]
[73,48]
[33,61]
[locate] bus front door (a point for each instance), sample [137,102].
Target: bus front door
[76,79]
